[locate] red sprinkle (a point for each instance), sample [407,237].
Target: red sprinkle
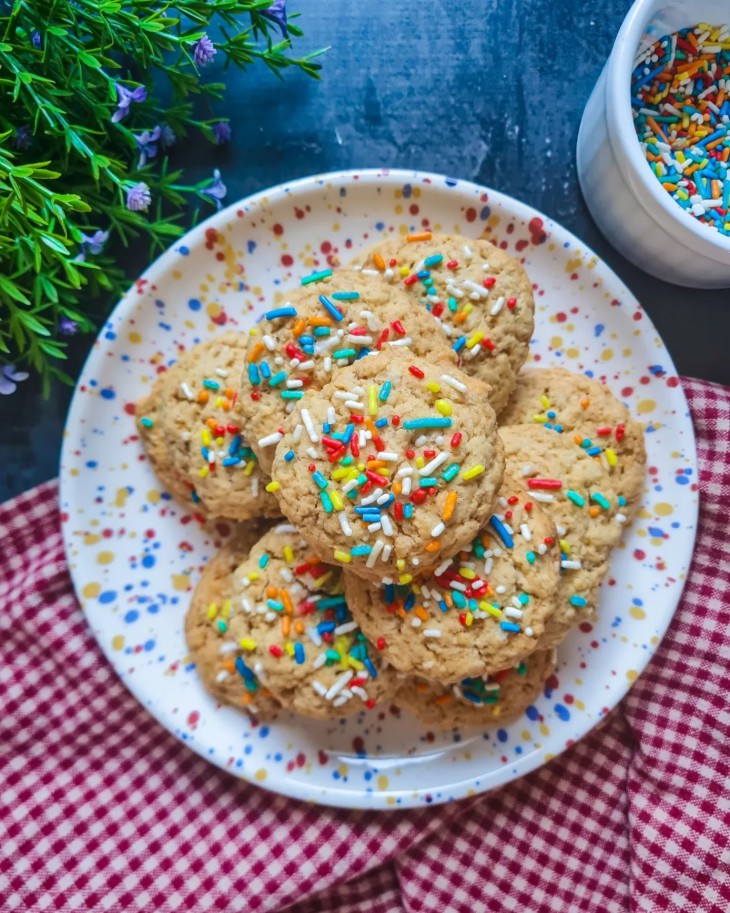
[395,420]
[416,372]
[429,454]
[511,302]
[370,703]
[410,454]
[382,338]
[392,261]
[508,515]
[311,467]
[357,419]
[357,331]
[330,443]
[380,643]
[544,483]
[603,432]
[452,264]
[293,352]
[418,497]
[398,511]
[335,455]
[513,500]
[487,343]
[275,651]
[255,395]
[378,442]
[437,310]
[398,327]
[489,282]
[376,477]
[354,448]
[232,429]
[219,431]
[456,439]
[462,618]
[620,430]
[528,505]
[548,540]
[409,280]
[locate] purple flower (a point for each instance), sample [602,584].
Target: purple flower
[67,327]
[36,38]
[92,244]
[125,99]
[222,132]
[167,136]
[203,51]
[147,145]
[22,137]
[216,190]
[10,378]
[139,197]
[277,13]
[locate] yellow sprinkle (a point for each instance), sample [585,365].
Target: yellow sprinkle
[205,437]
[469,619]
[404,271]
[246,643]
[219,441]
[540,419]
[249,468]
[344,557]
[372,399]
[212,611]
[203,472]
[254,575]
[544,402]
[474,339]
[473,472]
[336,499]
[400,564]
[564,547]
[341,645]
[226,608]
[432,386]
[490,609]
[354,663]
[273,486]
[288,554]
[289,648]
[405,578]
[340,473]
[320,581]
[467,573]
[443,406]
[467,309]
[420,462]
[610,456]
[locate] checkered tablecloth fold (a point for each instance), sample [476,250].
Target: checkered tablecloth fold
[102,809]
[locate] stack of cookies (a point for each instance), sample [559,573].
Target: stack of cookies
[420,521]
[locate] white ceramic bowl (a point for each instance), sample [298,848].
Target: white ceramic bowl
[626,200]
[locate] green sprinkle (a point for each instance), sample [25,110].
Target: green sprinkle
[477,548]
[428,482]
[291,394]
[345,296]
[521,669]
[275,605]
[146,422]
[448,474]
[384,391]
[530,557]
[321,331]
[360,550]
[598,499]
[333,656]
[326,501]
[523,598]
[263,560]
[277,378]
[344,353]
[316,277]
[211,384]
[451,302]
[221,625]
[459,600]
[575,497]
[433,260]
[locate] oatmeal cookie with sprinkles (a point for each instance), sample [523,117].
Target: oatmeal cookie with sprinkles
[478,613]
[193,433]
[586,412]
[206,630]
[483,701]
[329,322]
[391,467]
[479,295]
[289,626]
[575,491]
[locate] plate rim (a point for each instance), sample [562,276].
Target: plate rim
[332,795]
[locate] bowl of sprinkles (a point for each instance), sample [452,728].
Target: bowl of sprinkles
[654,142]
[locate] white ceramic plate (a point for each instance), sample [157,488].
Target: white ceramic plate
[135,555]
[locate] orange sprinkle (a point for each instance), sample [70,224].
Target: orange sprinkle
[460,317]
[448,600]
[211,423]
[656,129]
[228,665]
[585,402]
[420,612]
[418,236]
[379,262]
[594,511]
[715,185]
[299,327]
[319,321]
[253,355]
[226,405]
[396,487]
[203,397]
[449,505]
[433,546]
[299,627]
[726,153]
[377,464]
[285,625]
[577,439]
[420,686]
[286,599]
[246,698]
[271,592]
[443,699]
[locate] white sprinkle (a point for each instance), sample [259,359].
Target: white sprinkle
[360,340]
[442,568]
[305,365]
[286,574]
[371,322]
[526,534]
[406,487]
[478,290]
[373,556]
[245,604]
[362,437]
[528,632]
[348,486]
[431,632]
[290,407]
[512,612]
[415,622]
[331,415]
[270,616]
[186,391]
[542,497]
[485,267]
[387,549]
[386,524]
[388,455]
[541,549]
[270,439]
[516,602]
[355,405]
[497,306]
[404,471]
[309,426]
[327,364]
[421,440]
[372,497]
[279,361]
[433,464]
[621,518]
[383,498]
[561,530]
[453,382]
[526,471]
[405,341]
[345,394]
[342,698]
[222,676]
[570,565]
[346,628]
[296,434]
[313,635]
[185,436]
[359,692]
[319,687]
[369,272]
[438,529]
[467,252]
[458,585]
[488,565]
[269,342]
[212,455]
[339,684]
[228,647]
[415,561]
[312,452]
[500,590]
[293,384]
[221,372]
[344,524]
[374,527]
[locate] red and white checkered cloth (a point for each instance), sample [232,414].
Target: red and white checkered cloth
[101,809]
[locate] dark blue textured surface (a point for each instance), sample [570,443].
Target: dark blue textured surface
[489,90]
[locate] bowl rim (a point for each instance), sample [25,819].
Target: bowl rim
[708,241]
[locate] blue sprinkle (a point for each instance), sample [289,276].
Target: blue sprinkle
[442,605]
[330,308]
[593,451]
[298,654]
[230,461]
[235,444]
[459,344]
[381,423]
[509,626]
[367,662]
[389,594]
[577,601]
[265,370]
[243,670]
[289,456]
[499,528]
[277,378]
[562,712]
[407,511]
[280,312]
[410,602]
[360,550]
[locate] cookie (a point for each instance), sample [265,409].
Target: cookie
[191,428]
[590,415]
[289,627]
[480,297]
[482,701]
[478,613]
[206,626]
[575,491]
[320,327]
[391,467]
